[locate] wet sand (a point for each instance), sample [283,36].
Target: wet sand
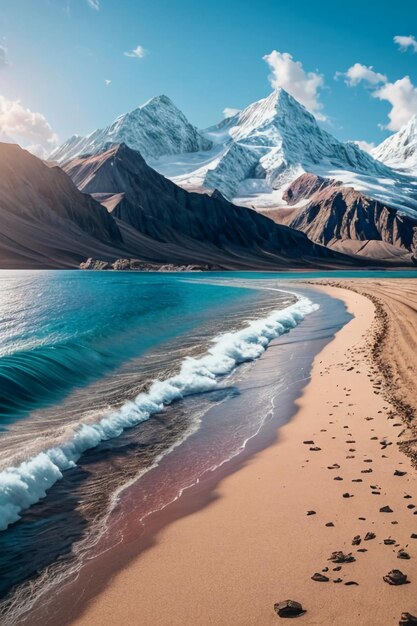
[254,544]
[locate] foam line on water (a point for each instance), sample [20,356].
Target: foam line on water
[26,484]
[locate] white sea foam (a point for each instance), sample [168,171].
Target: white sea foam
[26,484]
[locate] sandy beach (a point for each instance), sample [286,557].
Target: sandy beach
[276,522]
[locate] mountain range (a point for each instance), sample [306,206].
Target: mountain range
[264,189]
[251,157]
[124,209]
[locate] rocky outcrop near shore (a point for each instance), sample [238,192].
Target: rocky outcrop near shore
[135,265]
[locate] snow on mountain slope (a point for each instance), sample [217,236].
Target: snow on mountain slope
[155,128]
[399,151]
[261,150]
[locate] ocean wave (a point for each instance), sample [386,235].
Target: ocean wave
[26,484]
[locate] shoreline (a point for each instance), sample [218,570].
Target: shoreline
[281,371]
[234,573]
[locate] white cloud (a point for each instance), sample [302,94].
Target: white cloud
[402,95]
[26,127]
[291,76]
[230,112]
[107,82]
[358,73]
[406,41]
[137,53]
[366,146]
[4,57]
[94,4]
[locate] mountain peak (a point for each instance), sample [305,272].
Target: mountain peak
[162,99]
[154,129]
[399,151]
[270,143]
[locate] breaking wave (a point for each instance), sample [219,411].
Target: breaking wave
[26,484]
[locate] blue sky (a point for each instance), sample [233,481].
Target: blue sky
[56,55]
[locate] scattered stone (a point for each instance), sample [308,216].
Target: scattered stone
[402,554]
[337,478]
[356,540]
[407,496]
[310,442]
[289,608]
[351,582]
[367,471]
[399,473]
[396,577]
[337,568]
[341,557]
[347,495]
[369,536]
[362,550]
[315,449]
[357,480]
[411,506]
[389,541]
[413,536]
[407,619]
[329,524]
[311,512]
[337,580]
[385,509]
[320,578]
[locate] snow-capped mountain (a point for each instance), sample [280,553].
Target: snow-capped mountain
[399,151]
[277,136]
[156,128]
[261,150]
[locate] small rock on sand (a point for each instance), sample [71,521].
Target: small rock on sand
[402,554]
[396,577]
[351,582]
[385,509]
[369,536]
[289,608]
[407,619]
[341,557]
[320,578]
